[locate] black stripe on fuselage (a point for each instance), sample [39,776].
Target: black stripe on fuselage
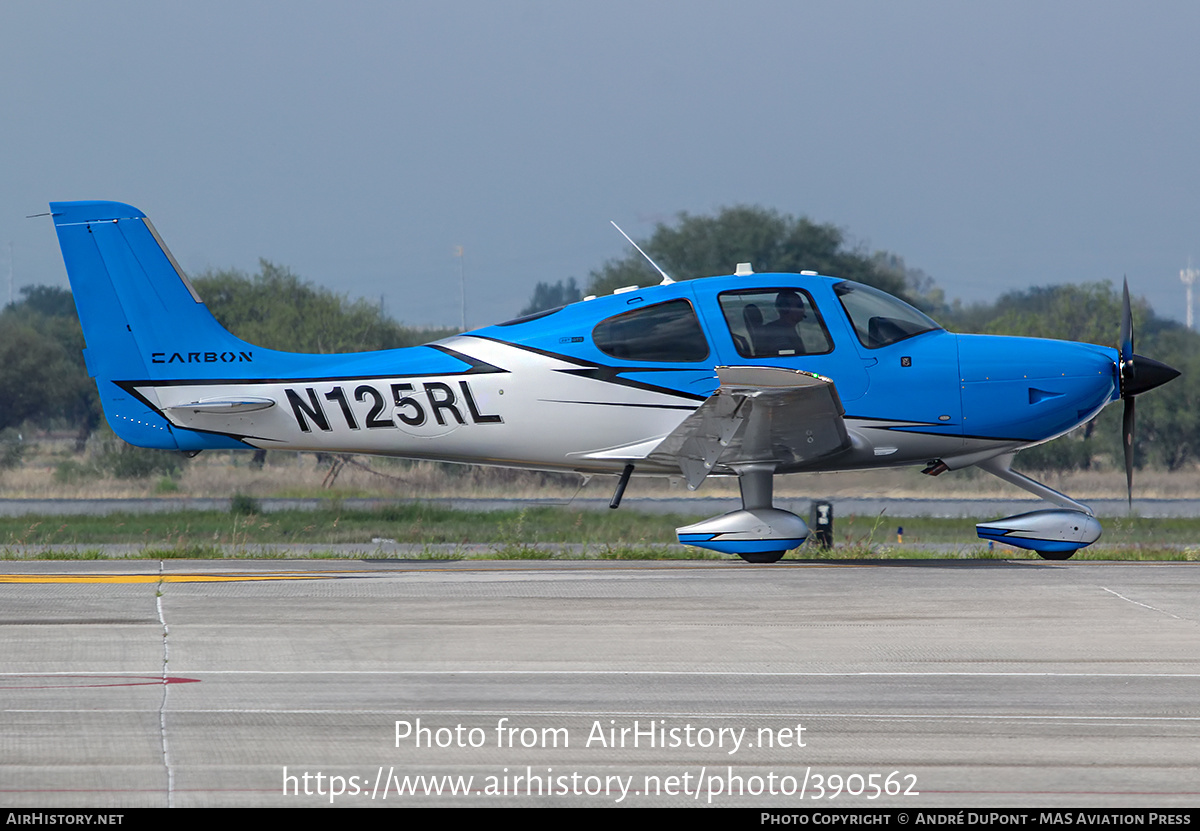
[603,372]
[687,407]
[898,425]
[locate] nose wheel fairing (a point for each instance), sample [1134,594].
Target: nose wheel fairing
[1046,532]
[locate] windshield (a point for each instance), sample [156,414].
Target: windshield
[878,318]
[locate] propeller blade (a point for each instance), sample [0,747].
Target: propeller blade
[1125,345]
[1127,425]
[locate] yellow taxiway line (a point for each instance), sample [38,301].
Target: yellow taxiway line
[154,578]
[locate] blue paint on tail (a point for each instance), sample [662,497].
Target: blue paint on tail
[137,310]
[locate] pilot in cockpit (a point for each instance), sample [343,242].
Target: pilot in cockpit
[780,336]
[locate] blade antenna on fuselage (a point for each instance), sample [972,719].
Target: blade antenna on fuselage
[666,281]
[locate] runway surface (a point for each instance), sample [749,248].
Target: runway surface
[965,684]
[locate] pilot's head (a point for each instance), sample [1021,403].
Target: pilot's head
[789,306]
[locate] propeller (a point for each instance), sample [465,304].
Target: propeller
[1128,371]
[1137,375]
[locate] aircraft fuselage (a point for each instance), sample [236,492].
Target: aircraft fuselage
[526,393]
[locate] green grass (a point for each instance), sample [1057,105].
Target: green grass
[517,534]
[91,554]
[404,523]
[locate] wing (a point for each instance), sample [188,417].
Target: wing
[759,414]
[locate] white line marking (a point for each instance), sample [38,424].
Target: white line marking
[1143,605]
[637,672]
[162,707]
[588,714]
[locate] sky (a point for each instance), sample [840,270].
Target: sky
[995,146]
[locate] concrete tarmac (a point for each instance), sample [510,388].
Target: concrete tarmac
[963,684]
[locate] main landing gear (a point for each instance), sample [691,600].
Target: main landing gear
[759,532]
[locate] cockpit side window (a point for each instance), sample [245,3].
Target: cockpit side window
[878,318]
[668,332]
[774,323]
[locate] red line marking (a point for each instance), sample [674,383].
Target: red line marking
[142,681]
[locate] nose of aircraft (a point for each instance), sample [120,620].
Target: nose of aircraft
[1144,374]
[1138,374]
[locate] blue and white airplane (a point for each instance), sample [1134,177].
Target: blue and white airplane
[748,375]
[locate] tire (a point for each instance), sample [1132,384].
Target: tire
[763,556]
[1056,555]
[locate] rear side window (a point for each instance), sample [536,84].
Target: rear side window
[668,332]
[774,323]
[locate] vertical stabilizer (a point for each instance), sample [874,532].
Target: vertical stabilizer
[141,317]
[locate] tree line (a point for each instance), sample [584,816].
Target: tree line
[703,246]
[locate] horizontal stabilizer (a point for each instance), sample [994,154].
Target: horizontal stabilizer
[225,407]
